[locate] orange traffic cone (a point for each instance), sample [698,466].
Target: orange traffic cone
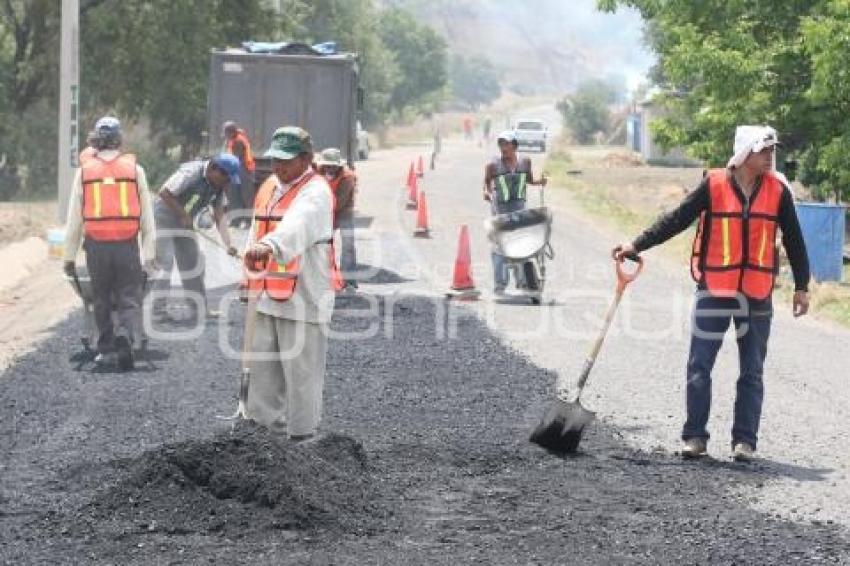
[412,188]
[463,287]
[422,230]
[420,168]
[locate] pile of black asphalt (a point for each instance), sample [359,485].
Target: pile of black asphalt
[424,459]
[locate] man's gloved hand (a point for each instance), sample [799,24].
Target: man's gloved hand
[69,268]
[232,251]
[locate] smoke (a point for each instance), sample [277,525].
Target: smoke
[542,45]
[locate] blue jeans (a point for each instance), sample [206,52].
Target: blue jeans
[712,316]
[500,266]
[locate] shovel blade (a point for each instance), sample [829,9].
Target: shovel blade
[561,427]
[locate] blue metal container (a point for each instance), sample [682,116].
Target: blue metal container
[823,230]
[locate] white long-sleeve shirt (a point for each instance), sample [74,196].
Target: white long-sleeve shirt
[305,230]
[74,224]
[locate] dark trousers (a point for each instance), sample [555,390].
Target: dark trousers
[116,281]
[178,246]
[712,317]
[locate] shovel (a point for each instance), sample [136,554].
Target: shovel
[245,377]
[561,427]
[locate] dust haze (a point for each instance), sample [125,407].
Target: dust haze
[542,46]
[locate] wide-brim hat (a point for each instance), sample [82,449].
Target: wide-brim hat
[330,157]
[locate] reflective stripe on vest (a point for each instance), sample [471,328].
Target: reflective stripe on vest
[111,205]
[250,165]
[516,189]
[278,281]
[734,248]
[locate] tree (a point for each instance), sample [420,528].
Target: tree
[475,80]
[353,24]
[586,112]
[421,56]
[29,63]
[723,64]
[158,67]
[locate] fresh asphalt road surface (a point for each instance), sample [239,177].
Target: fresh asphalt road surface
[639,379]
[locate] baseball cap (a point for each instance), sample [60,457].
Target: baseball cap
[508,136]
[289,142]
[107,126]
[228,163]
[330,156]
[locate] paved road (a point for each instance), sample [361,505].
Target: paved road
[638,383]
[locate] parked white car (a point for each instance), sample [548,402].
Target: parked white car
[362,142]
[531,133]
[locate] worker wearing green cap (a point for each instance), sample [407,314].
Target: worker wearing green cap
[290,269]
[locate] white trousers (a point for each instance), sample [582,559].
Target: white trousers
[288,374]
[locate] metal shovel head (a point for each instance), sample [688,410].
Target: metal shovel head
[561,427]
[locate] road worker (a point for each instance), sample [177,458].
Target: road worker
[290,264]
[241,196]
[194,187]
[734,262]
[506,178]
[110,206]
[343,183]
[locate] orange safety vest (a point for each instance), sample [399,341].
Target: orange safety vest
[250,165]
[337,181]
[278,280]
[111,202]
[87,154]
[735,248]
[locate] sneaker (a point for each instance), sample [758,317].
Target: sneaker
[694,448]
[124,351]
[743,452]
[499,291]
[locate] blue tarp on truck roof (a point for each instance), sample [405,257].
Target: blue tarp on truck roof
[290,48]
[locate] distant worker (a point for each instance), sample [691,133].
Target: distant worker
[486,128]
[343,183]
[109,207]
[468,125]
[195,186]
[241,196]
[292,235]
[505,180]
[734,263]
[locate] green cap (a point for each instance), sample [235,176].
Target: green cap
[288,142]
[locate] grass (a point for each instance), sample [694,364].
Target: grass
[601,200]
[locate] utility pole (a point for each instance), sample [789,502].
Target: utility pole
[69,98]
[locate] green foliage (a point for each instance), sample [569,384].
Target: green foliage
[475,80]
[421,55]
[353,24]
[586,112]
[164,75]
[148,61]
[780,62]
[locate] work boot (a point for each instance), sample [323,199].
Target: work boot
[124,351]
[743,452]
[694,448]
[104,359]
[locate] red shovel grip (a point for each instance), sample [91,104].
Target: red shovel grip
[625,277]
